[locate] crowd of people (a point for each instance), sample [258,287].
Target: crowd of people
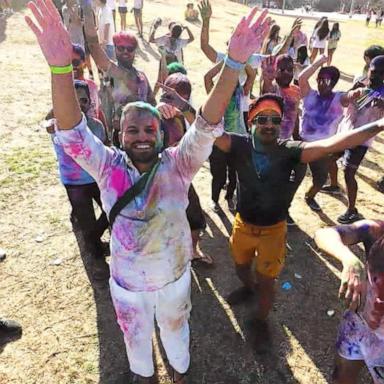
[135,154]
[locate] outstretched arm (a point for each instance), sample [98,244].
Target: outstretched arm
[288,39]
[318,149]
[88,151]
[305,75]
[101,59]
[334,241]
[152,35]
[206,13]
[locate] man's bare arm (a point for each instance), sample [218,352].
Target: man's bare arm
[206,13]
[317,149]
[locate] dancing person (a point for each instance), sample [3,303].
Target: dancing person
[264,164]
[72,18]
[369,107]
[127,83]
[334,37]
[361,332]
[322,112]
[150,240]
[106,29]
[172,43]
[272,40]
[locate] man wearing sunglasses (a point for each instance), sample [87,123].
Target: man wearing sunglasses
[127,83]
[264,164]
[322,112]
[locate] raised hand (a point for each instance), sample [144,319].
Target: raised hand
[296,25]
[248,37]
[50,32]
[268,67]
[352,280]
[171,97]
[205,9]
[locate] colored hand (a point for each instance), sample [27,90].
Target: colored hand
[171,97]
[167,111]
[352,283]
[50,32]
[205,10]
[322,59]
[248,37]
[268,67]
[296,25]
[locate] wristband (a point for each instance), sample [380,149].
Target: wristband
[233,64]
[61,70]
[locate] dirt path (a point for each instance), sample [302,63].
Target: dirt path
[70,333]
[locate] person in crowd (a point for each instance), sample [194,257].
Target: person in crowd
[220,164]
[334,37]
[111,4]
[319,38]
[322,112]
[72,17]
[272,40]
[369,16]
[123,14]
[106,29]
[264,165]
[138,6]
[171,42]
[145,196]
[368,108]
[80,186]
[191,14]
[360,338]
[302,61]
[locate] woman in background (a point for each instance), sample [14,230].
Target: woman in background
[319,38]
[334,38]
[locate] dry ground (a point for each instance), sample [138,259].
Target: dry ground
[70,333]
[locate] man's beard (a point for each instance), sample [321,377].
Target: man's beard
[125,63]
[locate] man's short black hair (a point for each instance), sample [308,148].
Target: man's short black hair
[81,84]
[331,71]
[268,96]
[373,51]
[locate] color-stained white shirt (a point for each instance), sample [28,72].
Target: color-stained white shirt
[151,240]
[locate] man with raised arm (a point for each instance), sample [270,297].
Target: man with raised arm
[127,83]
[264,164]
[361,333]
[151,243]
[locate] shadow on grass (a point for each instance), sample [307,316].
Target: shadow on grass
[113,363]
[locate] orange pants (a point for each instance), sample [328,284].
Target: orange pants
[267,244]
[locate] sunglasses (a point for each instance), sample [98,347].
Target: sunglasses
[125,48]
[76,62]
[327,82]
[262,120]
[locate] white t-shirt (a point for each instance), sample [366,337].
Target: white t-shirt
[356,341]
[317,43]
[138,4]
[123,3]
[111,4]
[175,48]
[106,17]
[254,61]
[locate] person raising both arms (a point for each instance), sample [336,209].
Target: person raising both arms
[144,195]
[361,332]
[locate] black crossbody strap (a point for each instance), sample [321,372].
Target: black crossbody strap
[131,193]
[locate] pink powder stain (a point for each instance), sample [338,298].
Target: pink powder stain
[74,149]
[129,321]
[118,181]
[123,234]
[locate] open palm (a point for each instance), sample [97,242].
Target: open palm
[50,32]
[248,37]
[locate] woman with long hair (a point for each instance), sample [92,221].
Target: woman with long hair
[319,38]
[334,37]
[272,40]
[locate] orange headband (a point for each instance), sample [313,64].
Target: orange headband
[264,105]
